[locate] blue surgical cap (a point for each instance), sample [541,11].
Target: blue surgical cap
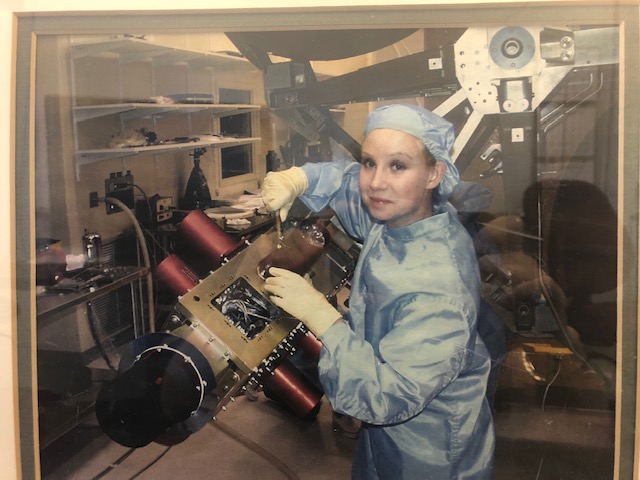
[434,131]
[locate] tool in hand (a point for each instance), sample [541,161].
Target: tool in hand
[279,234]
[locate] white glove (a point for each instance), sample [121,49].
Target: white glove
[295,295]
[280,189]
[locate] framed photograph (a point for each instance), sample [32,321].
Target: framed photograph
[128,123]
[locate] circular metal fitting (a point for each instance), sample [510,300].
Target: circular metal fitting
[512,48]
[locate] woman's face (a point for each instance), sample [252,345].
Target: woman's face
[396,178]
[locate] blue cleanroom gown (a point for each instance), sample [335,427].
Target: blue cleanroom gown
[409,363]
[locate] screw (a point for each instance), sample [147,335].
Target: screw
[566,42]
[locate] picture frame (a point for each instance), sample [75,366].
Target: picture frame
[30,27]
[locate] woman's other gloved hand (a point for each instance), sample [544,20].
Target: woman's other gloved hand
[280,189]
[295,295]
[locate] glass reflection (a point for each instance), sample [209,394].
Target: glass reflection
[537,155]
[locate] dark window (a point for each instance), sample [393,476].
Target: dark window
[236,160]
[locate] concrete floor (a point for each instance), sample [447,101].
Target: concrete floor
[562,432]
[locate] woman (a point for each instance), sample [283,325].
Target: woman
[407,362]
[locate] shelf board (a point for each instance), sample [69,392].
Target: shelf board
[86,157]
[139,109]
[129,49]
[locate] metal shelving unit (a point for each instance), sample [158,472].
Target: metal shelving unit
[131,49]
[85,157]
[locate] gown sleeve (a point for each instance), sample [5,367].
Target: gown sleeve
[336,184]
[422,353]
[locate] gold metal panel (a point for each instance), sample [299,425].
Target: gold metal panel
[202,306]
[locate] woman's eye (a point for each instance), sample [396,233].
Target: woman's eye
[398,166]
[368,163]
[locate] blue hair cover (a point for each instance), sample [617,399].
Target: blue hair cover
[435,133]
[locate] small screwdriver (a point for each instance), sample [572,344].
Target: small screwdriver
[279,230]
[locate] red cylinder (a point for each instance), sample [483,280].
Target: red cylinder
[206,237]
[293,389]
[176,276]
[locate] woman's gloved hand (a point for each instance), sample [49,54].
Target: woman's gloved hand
[294,294]
[280,189]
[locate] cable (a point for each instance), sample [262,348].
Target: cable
[254,447]
[560,321]
[146,198]
[257,449]
[152,463]
[126,455]
[149,217]
[154,240]
[114,464]
[93,327]
[145,256]
[546,390]
[540,466]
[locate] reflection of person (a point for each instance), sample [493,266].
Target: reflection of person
[408,363]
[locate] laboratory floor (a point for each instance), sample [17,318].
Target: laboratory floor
[561,431]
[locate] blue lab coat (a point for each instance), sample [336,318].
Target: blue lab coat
[409,363]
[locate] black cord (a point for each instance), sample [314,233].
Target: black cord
[114,464]
[151,231]
[254,447]
[146,199]
[257,449]
[126,455]
[152,463]
[93,327]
